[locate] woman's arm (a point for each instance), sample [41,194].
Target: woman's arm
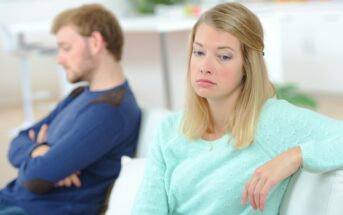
[270,174]
[295,137]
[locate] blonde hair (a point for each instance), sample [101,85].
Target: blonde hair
[90,18]
[239,21]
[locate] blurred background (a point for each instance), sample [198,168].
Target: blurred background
[303,40]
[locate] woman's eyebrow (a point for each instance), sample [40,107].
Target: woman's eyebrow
[197,43]
[226,47]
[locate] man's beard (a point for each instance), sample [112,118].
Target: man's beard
[86,71]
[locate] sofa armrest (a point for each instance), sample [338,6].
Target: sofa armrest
[315,194]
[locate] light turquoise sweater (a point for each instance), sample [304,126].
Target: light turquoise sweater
[207,177]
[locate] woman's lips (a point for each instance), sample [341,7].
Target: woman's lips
[205,83]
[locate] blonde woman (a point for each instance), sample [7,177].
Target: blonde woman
[234,147]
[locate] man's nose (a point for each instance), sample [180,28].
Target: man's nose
[60,59]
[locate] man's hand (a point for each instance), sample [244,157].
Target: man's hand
[40,150]
[42,134]
[41,137]
[270,174]
[73,179]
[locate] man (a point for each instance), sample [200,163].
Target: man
[69,160]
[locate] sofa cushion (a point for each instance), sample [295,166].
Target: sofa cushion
[126,186]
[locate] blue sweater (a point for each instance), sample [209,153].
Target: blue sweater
[207,177]
[88,132]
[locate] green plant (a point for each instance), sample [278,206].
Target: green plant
[291,93]
[148,6]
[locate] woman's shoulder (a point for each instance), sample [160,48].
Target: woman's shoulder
[171,121]
[169,129]
[279,108]
[274,104]
[278,114]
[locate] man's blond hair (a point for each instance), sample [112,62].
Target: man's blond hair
[93,18]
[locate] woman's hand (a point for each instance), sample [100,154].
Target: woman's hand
[269,174]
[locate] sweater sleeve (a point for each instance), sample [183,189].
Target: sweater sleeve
[152,195]
[96,132]
[319,137]
[324,150]
[21,146]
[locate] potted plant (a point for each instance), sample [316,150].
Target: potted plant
[291,93]
[148,6]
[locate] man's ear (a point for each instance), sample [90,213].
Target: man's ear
[97,42]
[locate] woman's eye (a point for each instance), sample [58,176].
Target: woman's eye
[198,53]
[225,57]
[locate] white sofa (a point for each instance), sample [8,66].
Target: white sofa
[307,194]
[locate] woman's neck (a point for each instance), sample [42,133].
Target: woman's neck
[222,111]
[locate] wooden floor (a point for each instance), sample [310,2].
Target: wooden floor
[12,118]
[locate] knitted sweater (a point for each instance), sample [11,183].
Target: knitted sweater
[199,177]
[88,132]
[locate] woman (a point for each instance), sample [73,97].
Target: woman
[234,147]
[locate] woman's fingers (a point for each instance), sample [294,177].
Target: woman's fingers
[256,190]
[264,193]
[251,191]
[257,193]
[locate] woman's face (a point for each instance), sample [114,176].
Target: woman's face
[216,65]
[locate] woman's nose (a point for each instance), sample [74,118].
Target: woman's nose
[206,66]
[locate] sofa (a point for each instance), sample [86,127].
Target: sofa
[307,193]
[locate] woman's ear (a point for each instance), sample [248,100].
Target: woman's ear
[97,42]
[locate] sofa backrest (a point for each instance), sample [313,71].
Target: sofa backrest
[151,119]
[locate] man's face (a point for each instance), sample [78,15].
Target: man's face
[74,54]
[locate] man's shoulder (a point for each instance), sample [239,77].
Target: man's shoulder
[77,91]
[113,98]
[116,96]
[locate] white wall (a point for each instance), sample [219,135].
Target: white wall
[142,66]
[310,51]
[313,50]
[33,10]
